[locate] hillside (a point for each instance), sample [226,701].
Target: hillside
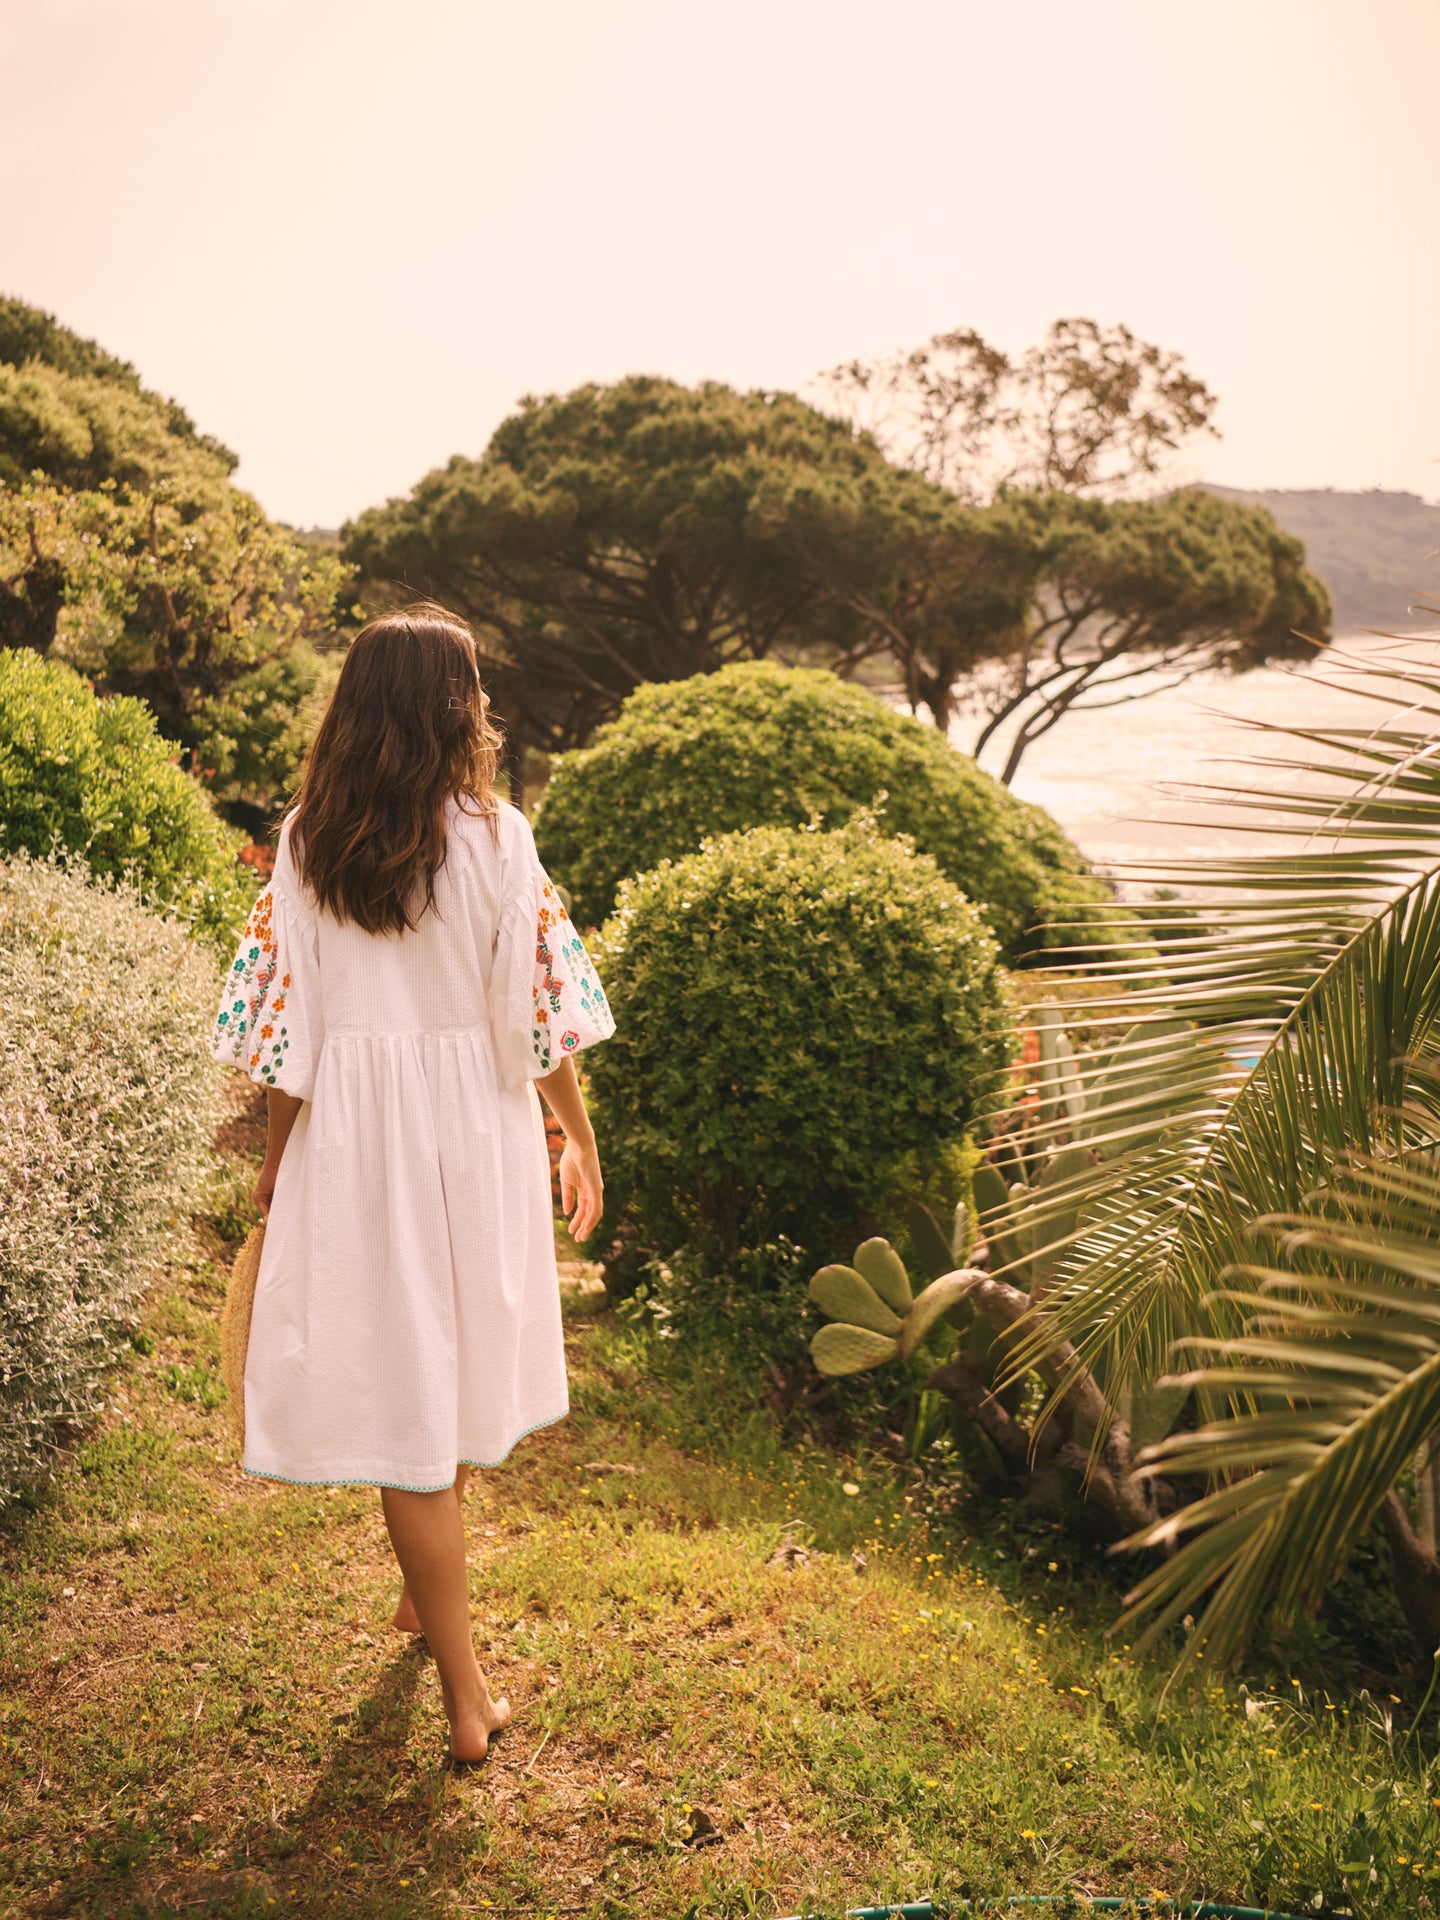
[1379,553]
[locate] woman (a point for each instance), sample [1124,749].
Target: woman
[404,980]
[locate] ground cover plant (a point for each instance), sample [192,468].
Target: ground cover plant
[764,745]
[93,778]
[750,1679]
[107,1100]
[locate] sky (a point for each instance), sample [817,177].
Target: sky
[348,234]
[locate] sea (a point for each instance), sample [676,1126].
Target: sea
[1133,785]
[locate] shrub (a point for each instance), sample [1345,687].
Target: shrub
[92,777]
[761,745]
[804,1018]
[109,1100]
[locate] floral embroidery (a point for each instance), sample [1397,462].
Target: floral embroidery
[251,977]
[563,975]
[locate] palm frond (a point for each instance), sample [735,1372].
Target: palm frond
[1340,1362]
[1255,1056]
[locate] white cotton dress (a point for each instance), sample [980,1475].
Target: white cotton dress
[407,1309]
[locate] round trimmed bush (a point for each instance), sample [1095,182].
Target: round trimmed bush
[91,777]
[761,745]
[109,1099]
[802,1019]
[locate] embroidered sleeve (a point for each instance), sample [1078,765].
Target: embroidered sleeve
[260,1026]
[547,1000]
[568,1003]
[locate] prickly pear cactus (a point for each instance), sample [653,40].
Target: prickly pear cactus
[875,1313]
[1015,1228]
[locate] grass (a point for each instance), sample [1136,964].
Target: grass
[741,1687]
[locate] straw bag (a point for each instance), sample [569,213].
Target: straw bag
[235,1325]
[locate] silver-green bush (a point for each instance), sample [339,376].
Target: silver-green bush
[110,1101]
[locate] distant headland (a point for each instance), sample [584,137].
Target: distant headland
[1378,552]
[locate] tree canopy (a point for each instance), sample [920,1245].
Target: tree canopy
[1091,409]
[34,343]
[1153,591]
[649,531]
[127,552]
[1127,594]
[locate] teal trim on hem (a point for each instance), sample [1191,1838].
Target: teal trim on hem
[368,1480]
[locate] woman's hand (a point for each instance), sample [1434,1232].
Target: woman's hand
[263,1191]
[582,1191]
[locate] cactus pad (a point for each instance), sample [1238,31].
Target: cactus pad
[878,1261]
[934,1302]
[847,1295]
[840,1349]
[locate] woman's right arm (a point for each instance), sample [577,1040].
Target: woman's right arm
[582,1191]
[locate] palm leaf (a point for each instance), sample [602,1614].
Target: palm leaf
[1286,1037]
[1340,1361]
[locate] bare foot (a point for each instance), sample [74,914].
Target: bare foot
[470,1733]
[406,1619]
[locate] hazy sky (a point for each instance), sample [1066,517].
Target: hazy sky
[347,234]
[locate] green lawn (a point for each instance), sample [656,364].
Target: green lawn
[205,1712]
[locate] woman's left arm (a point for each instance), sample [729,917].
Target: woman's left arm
[582,1191]
[281,1111]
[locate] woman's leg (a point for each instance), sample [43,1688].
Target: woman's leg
[429,1541]
[406,1619]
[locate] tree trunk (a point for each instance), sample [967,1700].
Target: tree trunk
[1107,1478]
[1425,1504]
[1417,1575]
[28,618]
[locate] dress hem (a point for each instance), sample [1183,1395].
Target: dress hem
[401,1486]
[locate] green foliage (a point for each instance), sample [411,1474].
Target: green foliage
[1179,585]
[761,745]
[798,1013]
[649,531]
[1334,1385]
[1027,1428]
[126,552]
[96,408]
[1299,1044]
[939,1715]
[92,778]
[1117,588]
[79,432]
[109,1100]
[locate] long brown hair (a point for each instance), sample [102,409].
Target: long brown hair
[405,733]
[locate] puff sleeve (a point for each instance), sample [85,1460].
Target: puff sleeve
[269,1019]
[546,998]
